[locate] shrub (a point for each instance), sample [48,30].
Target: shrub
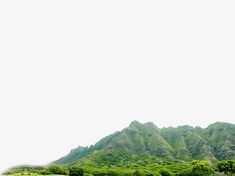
[187,172]
[137,173]
[106,173]
[156,174]
[44,172]
[165,172]
[219,174]
[58,170]
[226,166]
[76,171]
[201,168]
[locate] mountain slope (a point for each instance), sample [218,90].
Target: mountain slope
[216,142]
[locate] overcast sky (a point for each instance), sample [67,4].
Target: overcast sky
[72,72]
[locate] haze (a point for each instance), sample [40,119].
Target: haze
[73,72]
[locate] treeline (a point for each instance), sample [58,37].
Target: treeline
[24,170]
[196,168]
[50,170]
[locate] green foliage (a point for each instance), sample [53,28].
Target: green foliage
[198,168]
[152,167]
[137,173]
[165,172]
[145,150]
[201,168]
[24,170]
[76,171]
[226,166]
[187,172]
[219,174]
[58,170]
[106,173]
[186,143]
[145,173]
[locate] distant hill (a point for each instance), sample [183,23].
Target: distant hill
[216,142]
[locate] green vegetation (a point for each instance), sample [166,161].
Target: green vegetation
[226,166]
[158,168]
[165,172]
[57,170]
[216,142]
[145,150]
[76,171]
[201,168]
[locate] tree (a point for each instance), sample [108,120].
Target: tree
[201,168]
[226,166]
[187,172]
[165,172]
[76,171]
[58,170]
[137,173]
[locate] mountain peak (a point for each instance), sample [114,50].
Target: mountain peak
[183,142]
[150,124]
[135,123]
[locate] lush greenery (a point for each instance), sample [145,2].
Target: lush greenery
[160,168]
[145,150]
[76,171]
[216,142]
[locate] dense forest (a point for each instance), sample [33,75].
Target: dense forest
[142,167]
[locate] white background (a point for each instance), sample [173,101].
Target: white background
[72,72]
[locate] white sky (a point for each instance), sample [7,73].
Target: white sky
[72,72]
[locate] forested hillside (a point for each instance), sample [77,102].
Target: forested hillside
[216,142]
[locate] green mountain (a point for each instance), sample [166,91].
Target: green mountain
[216,142]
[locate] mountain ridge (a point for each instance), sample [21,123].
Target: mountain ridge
[215,142]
